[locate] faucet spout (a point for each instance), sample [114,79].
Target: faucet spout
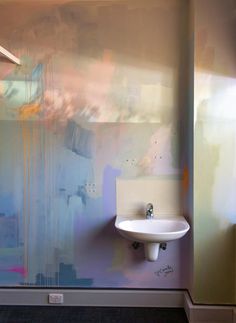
[149,211]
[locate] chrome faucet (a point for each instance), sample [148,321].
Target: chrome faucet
[149,211]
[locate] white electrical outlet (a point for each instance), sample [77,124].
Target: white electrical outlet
[56,298]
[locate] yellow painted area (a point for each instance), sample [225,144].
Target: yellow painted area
[29,110]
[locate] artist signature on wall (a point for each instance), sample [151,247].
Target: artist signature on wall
[164,271]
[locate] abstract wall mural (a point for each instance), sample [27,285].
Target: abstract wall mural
[96,98]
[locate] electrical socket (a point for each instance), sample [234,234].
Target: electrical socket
[55,298]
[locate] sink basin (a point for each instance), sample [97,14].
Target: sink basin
[152,232]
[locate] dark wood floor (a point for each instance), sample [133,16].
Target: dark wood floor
[44,314]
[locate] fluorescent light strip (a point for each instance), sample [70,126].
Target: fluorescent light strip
[10,56]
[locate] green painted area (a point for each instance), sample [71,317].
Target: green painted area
[11,252]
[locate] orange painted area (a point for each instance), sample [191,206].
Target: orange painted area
[185,182]
[26,139]
[107,56]
[29,110]
[205,54]
[201,37]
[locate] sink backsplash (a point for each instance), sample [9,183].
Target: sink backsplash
[134,194]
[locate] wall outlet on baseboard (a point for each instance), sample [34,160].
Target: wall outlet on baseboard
[55,298]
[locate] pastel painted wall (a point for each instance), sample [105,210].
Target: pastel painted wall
[187,141]
[235,264]
[214,151]
[99,96]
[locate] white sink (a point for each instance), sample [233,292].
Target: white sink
[152,232]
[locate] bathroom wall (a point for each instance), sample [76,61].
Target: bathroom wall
[99,96]
[235,264]
[187,139]
[214,151]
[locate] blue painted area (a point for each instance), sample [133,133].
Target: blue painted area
[66,276]
[79,140]
[7,261]
[9,278]
[21,89]
[66,204]
[7,205]
[9,232]
[37,72]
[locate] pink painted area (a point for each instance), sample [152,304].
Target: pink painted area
[6,68]
[85,92]
[20,270]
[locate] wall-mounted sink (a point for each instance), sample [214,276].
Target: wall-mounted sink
[152,232]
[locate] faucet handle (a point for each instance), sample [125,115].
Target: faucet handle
[149,207]
[149,211]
